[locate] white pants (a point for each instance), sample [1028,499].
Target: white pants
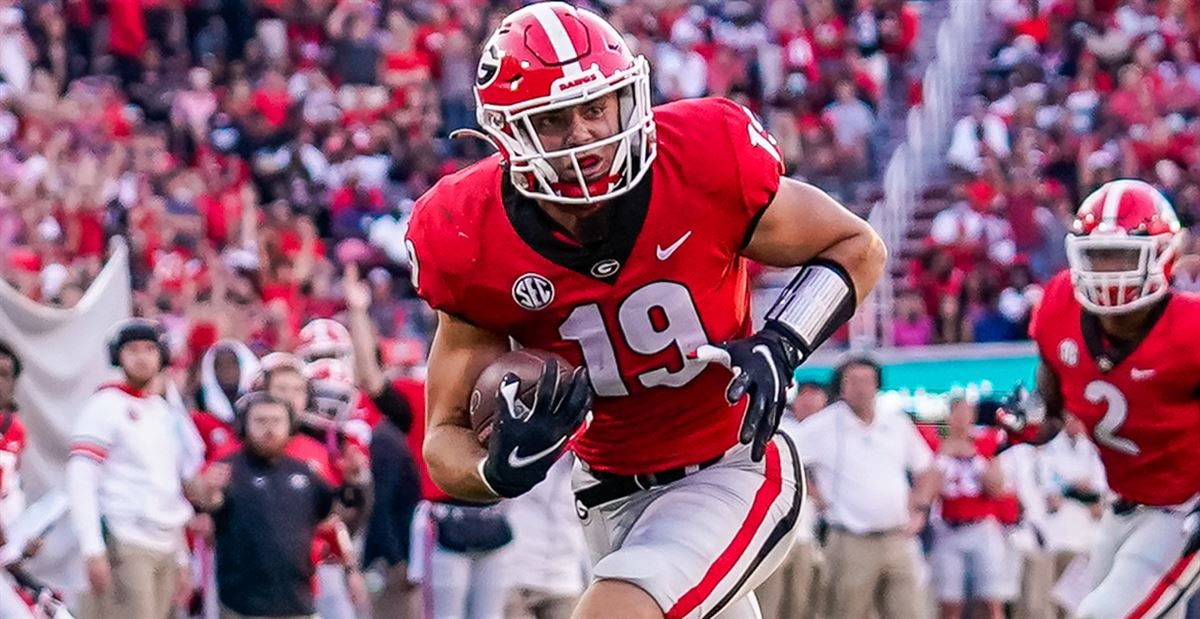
[977,549]
[333,598]
[468,585]
[1136,569]
[700,545]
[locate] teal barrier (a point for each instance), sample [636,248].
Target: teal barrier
[937,369]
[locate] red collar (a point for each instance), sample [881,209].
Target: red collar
[137,393]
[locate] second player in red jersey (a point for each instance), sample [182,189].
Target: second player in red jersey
[617,236]
[1118,351]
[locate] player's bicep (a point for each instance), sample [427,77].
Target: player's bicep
[802,223]
[459,353]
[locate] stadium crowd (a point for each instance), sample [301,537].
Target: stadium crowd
[1075,94]
[261,159]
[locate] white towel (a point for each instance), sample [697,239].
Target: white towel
[214,398]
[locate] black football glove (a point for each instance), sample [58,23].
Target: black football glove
[762,365]
[1021,415]
[527,440]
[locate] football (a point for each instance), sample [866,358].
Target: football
[527,364]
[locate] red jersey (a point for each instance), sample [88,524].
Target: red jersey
[1140,402]
[12,443]
[667,278]
[963,498]
[215,433]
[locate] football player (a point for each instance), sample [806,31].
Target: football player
[617,236]
[1119,350]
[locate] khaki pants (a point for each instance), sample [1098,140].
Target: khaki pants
[873,570]
[143,585]
[791,592]
[398,599]
[1037,578]
[529,604]
[1062,559]
[229,614]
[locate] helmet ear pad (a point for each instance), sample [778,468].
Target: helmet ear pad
[250,400]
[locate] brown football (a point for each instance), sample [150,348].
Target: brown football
[527,364]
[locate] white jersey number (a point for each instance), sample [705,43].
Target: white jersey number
[1100,392]
[654,318]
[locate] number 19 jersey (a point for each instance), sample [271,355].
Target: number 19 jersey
[1141,403]
[665,277]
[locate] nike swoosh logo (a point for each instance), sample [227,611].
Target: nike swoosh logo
[518,461]
[1137,374]
[663,254]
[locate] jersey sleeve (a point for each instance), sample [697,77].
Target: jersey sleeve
[1040,322]
[756,163]
[422,243]
[95,430]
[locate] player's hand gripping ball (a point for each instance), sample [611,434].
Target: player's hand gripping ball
[524,408]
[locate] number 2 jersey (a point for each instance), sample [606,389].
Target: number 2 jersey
[1141,403]
[666,278]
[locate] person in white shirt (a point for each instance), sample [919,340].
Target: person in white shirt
[790,591]
[860,458]
[124,483]
[548,549]
[1075,487]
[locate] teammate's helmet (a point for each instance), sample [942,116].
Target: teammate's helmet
[549,56]
[1121,248]
[324,338]
[333,389]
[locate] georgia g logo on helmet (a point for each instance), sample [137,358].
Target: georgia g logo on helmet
[489,65]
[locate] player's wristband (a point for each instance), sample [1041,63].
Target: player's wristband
[818,301]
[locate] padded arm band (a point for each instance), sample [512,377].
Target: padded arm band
[818,301]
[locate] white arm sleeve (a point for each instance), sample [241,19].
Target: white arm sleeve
[83,477]
[92,438]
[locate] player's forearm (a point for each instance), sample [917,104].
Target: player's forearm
[863,256]
[453,454]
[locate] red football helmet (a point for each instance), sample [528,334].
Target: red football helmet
[549,56]
[1122,246]
[324,338]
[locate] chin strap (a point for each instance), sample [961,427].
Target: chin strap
[815,304]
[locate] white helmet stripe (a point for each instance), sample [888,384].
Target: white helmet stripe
[563,47]
[1112,203]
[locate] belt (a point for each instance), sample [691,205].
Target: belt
[881,533]
[612,487]
[958,524]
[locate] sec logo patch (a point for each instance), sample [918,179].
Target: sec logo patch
[533,292]
[1068,353]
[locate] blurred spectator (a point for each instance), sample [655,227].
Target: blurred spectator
[227,370]
[264,538]
[549,556]
[860,458]
[123,479]
[968,539]
[1075,489]
[794,589]
[852,121]
[976,136]
[12,439]
[913,326]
